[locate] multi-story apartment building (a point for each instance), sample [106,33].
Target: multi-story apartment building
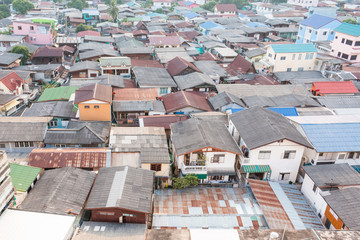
[6,188]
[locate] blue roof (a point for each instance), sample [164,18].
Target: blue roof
[317,21]
[256,24]
[209,25]
[350,29]
[336,137]
[235,110]
[293,48]
[188,3]
[191,15]
[287,112]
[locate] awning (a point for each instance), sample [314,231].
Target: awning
[256,168]
[357,168]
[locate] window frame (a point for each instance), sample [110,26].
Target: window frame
[155,167]
[265,154]
[287,154]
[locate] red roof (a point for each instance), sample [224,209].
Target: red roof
[189,35]
[239,66]
[77,20]
[68,157]
[95,91]
[48,51]
[140,32]
[226,7]
[344,87]
[260,80]
[177,65]
[145,63]
[12,81]
[182,99]
[164,40]
[207,57]
[184,25]
[135,94]
[162,120]
[88,33]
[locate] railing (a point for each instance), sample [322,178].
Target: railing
[194,169]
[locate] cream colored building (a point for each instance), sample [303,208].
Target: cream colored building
[290,57]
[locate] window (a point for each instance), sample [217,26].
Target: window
[300,55]
[357,155]
[316,32]
[288,69]
[2,145]
[216,178]
[87,106]
[19,28]
[60,145]
[332,32]
[23,144]
[321,154]
[96,106]
[30,38]
[301,28]
[289,154]
[284,176]
[129,215]
[53,123]
[282,58]
[310,31]
[107,213]
[343,40]
[357,43]
[218,158]
[336,37]
[264,154]
[341,156]
[155,167]
[163,90]
[339,54]
[300,69]
[351,155]
[353,57]
[270,55]
[31,28]
[314,188]
[324,33]
[349,42]
[293,56]
[345,56]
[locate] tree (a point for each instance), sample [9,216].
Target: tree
[6,2]
[4,11]
[78,4]
[81,27]
[209,6]
[350,20]
[148,3]
[22,50]
[190,180]
[239,3]
[159,10]
[22,6]
[108,2]
[113,10]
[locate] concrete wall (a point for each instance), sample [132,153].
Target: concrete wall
[103,113]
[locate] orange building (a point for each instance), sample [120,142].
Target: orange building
[94,102]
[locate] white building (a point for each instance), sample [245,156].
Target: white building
[6,188]
[320,180]
[204,148]
[272,147]
[304,3]
[161,4]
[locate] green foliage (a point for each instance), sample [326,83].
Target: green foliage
[148,3]
[22,6]
[81,27]
[108,2]
[209,6]
[4,11]
[159,10]
[239,3]
[350,20]
[22,50]
[78,4]
[113,10]
[190,180]
[7,2]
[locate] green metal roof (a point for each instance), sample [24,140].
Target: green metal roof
[115,61]
[293,48]
[58,93]
[350,29]
[23,176]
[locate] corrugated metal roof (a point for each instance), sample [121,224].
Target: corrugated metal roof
[285,111]
[336,137]
[317,21]
[293,48]
[349,29]
[23,176]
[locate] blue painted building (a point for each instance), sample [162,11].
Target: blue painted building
[91,16]
[317,28]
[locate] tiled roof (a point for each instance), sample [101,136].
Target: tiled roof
[151,76]
[344,87]
[164,40]
[11,81]
[293,48]
[193,80]
[145,63]
[48,51]
[68,157]
[88,32]
[8,58]
[226,7]
[162,120]
[238,66]
[349,29]
[95,91]
[317,21]
[182,99]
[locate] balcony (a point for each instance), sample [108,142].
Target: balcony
[193,169]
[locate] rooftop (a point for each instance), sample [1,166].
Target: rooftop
[59,93]
[22,176]
[95,91]
[293,48]
[344,87]
[182,99]
[349,29]
[317,21]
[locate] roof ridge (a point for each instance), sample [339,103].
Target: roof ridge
[91,130]
[185,97]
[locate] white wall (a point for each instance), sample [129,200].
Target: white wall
[314,198]
[187,110]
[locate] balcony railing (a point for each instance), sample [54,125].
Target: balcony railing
[194,169]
